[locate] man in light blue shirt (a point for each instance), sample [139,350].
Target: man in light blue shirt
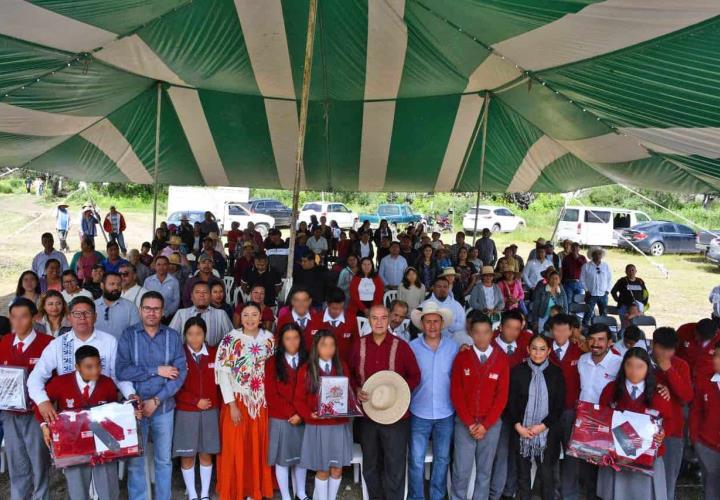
[114,314]
[392,267]
[431,409]
[441,296]
[49,252]
[166,285]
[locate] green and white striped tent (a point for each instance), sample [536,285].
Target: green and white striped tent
[581,93]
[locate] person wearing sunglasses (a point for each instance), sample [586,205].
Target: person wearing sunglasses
[114,314]
[59,356]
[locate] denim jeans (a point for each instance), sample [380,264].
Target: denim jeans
[421,430]
[601,301]
[119,238]
[160,425]
[572,288]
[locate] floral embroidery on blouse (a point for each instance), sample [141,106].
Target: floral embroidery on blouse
[243,358]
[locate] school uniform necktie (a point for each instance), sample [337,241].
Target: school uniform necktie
[334,323]
[303,322]
[633,393]
[326,367]
[294,362]
[197,357]
[483,358]
[510,350]
[19,347]
[86,392]
[558,353]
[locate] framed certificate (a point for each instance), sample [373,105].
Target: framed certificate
[13,388]
[336,399]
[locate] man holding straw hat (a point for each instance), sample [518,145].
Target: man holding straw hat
[385,369]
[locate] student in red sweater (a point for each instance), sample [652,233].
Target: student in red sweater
[672,375]
[327,443]
[286,424]
[196,410]
[343,324]
[479,392]
[366,288]
[513,341]
[27,455]
[635,390]
[705,427]
[565,354]
[79,390]
[299,312]
[700,350]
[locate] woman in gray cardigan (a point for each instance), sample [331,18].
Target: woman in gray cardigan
[545,297]
[486,295]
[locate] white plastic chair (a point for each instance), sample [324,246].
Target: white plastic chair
[357,463]
[389,296]
[363,326]
[229,282]
[3,457]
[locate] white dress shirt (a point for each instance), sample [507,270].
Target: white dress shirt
[299,319]
[563,349]
[26,341]
[487,352]
[594,377]
[81,383]
[134,294]
[504,345]
[596,278]
[329,319]
[640,388]
[292,357]
[532,273]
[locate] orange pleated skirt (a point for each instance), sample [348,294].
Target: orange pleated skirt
[242,468]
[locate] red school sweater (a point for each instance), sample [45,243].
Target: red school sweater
[678,381]
[626,403]
[704,421]
[479,391]
[63,390]
[521,353]
[569,367]
[280,396]
[26,359]
[700,357]
[345,333]
[199,382]
[306,402]
[285,316]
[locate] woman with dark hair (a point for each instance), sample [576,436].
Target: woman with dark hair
[286,424]
[383,231]
[218,298]
[84,260]
[466,271]
[28,286]
[411,290]
[327,442]
[159,242]
[196,414]
[635,390]
[366,288]
[346,275]
[53,276]
[53,313]
[427,266]
[537,400]
[546,297]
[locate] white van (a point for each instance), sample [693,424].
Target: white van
[596,226]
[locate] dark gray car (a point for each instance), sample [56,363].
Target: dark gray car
[273,208]
[659,237]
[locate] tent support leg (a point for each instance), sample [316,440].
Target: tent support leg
[302,127]
[486,112]
[157,158]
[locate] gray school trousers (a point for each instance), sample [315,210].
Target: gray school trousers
[104,476]
[28,458]
[469,452]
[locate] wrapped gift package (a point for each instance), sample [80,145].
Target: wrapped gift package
[336,398]
[13,388]
[96,435]
[618,439]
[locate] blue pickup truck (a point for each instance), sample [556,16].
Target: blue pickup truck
[393,213]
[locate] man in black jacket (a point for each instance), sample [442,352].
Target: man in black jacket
[312,277]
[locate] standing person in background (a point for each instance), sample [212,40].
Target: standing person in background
[114,225]
[89,222]
[62,225]
[84,260]
[486,246]
[572,265]
[208,225]
[166,285]
[596,278]
[392,267]
[48,252]
[152,357]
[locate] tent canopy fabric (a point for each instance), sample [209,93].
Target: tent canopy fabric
[582,93]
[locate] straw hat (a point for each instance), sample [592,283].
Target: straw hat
[448,271]
[175,240]
[87,206]
[506,268]
[487,270]
[592,250]
[174,258]
[63,205]
[388,397]
[430,307]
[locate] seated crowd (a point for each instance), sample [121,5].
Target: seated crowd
[496,350]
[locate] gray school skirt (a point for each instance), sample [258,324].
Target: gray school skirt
[326,446]
[196,432]
[629,485]
[285,443]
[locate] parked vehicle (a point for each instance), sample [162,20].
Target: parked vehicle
[659,237]
[193,217]
[331,210]
[597,226]
[274,208]
[230,212]
[713,251]
[393,213]
[705,239]
[494,218]
[200,199]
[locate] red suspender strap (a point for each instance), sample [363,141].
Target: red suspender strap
[363,355]
[393,353]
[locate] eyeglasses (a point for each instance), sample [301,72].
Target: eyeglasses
[125,273]
[154,310]
[82,314]
[69,282]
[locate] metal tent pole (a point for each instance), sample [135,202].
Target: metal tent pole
[157,157]
[302,126]
[486,112]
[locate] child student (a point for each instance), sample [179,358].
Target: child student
[80,390]
[634,390]
[705,426]
[327,443]
[196,415]
[286,425]
[632,337]
[479,392]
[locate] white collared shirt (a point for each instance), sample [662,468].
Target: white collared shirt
[298,319]
[203,350]
[290,357]
[81,383]
[329,319]
[594,377]
[563,349]
[716,378]
[325,366]
[504,345]
[640,388]
[487,352]
[26,341]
